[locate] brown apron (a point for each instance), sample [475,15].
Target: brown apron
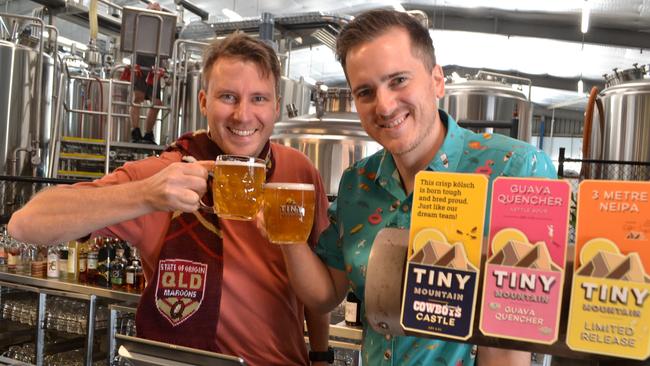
[181,303]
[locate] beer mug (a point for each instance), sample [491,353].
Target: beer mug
[288,212]
[237,186]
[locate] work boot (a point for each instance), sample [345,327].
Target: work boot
[136,135]
[148,139]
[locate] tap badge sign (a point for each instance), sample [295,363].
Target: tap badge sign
[524,273]
[444,254]
[609,312]
[180,288]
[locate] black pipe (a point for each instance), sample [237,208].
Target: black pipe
[10,178]
[194,9]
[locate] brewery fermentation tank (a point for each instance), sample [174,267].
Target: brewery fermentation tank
[296,95]
[489,104]
[332,143]
[20,124]
[86,92]
[192,118]
[186,81]
[333,138]
[626,132]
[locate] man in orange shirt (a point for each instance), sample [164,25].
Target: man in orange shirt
[244,304]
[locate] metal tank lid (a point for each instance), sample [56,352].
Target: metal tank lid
[344,124]
[485,87]
[629,87]
[636,74]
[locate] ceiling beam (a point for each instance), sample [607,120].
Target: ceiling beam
[558,26]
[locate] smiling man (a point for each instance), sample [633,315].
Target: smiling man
[223,286]
[389,61]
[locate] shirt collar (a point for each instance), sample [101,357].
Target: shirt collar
[448,156]
[446,159]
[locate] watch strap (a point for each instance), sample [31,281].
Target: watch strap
[327,356]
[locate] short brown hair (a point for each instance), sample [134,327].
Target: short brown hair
[246,48]
[374,23]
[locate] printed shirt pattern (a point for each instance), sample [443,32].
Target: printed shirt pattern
[371,197]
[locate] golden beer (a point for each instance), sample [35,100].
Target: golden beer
[237,186]
[288,212]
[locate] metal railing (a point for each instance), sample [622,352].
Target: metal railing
[16,191]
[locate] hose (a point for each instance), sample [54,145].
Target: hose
[585,171]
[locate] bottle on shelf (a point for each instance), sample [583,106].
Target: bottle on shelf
[352,310]
[53,262]
[3,245]
[82,265]
[93,253]
[118,270]
[63,262]
[104,257]
[73,260]
[13,255]
[134,275]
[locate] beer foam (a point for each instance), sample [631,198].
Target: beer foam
[294,186]
[240,163]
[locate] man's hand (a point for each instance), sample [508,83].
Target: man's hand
[260,223]
[178,187]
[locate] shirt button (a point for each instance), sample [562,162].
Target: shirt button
[405,208]
[387,355]
[388,337]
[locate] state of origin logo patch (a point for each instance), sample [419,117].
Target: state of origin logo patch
[180,288]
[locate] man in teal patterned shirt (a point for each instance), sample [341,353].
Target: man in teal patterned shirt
[390,65]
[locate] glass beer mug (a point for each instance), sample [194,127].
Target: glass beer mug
[288,212]
[237,186]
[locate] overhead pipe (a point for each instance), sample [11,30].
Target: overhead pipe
[194,9]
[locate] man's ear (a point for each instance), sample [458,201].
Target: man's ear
[438,78]
[203,97]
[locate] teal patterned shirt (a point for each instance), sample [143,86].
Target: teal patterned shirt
[371,197]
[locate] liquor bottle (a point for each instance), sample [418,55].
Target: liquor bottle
[93,253]
[134,274]
[63,262]
[118,270]
[104,257]
[73,260]
[352,310]
[13,255]
[3,245]
[83,263]
[53,262]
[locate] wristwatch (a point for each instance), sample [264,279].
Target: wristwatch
[327,356]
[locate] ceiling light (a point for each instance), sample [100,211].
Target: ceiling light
[231,14]
[581,87]
[584,26]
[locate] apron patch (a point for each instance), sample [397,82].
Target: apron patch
[180,288]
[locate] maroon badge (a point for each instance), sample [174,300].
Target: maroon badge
[180,288]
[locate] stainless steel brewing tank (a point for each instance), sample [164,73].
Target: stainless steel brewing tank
[193,119]
[91,94]
[18,110]
[295,97]
[332,143]
[488,101]
[626,136]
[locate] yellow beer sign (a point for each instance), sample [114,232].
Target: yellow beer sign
[610,311]
[444,255]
